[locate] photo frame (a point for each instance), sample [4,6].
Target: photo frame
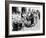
[24,18]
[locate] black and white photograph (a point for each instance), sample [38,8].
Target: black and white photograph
[25,19]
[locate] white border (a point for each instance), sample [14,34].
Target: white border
[25,32]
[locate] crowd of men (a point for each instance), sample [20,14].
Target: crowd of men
[24,18]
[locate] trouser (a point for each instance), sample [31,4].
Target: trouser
[17,26]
